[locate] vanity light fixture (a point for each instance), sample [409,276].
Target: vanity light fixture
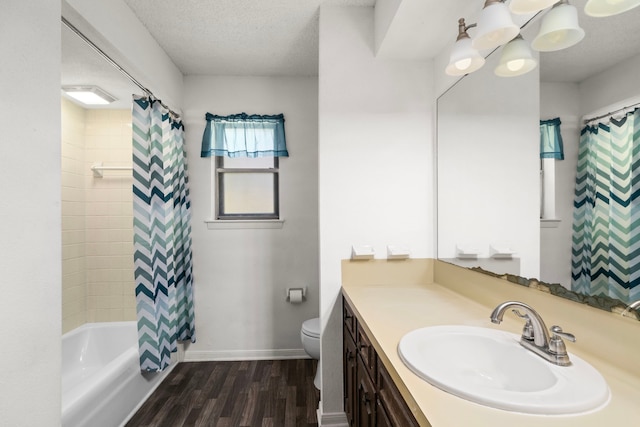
[495,26]
[559,29]
[602,8]
[522,7]
[516,59]
[464,58]
[89,95]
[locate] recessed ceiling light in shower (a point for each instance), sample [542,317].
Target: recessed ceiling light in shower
[89,95]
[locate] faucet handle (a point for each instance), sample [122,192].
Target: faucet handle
[527,330]
[557,332]
[556,345]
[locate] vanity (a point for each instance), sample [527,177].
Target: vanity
[385,300]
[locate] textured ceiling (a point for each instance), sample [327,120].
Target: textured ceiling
[280,37]
[237,37]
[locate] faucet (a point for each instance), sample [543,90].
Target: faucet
[633,306]
[534,334]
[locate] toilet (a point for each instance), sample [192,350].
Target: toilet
[310,337]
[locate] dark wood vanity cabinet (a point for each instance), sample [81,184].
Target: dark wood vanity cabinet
[366,406]
[371,399]
[350,358]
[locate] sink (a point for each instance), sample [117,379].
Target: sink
[490,367]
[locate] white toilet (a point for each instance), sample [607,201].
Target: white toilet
[310,337]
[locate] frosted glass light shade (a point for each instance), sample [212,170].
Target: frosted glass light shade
[464,59]
[521,7]
[516,59]
[559,29]
[601,8]
[495,27]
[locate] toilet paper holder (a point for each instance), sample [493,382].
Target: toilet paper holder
[303,290]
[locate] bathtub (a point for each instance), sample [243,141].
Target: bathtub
[101,380]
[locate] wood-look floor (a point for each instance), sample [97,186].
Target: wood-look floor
[261,393]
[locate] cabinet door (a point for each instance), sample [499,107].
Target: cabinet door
[367,352]
[366,414]
[382,420]
[350,381]
[399,414]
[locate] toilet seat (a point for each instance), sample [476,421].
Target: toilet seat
[311,328]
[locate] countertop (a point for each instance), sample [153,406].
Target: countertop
[388,311]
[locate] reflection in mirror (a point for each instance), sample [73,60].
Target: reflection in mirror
[489,183]
[488,171]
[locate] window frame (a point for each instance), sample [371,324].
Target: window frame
[218,208]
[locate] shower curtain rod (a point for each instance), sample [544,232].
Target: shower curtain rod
[117,66]
[611,113]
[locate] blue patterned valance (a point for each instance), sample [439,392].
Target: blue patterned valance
[550,139]
[243,135]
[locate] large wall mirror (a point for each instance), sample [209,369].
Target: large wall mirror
[491,192]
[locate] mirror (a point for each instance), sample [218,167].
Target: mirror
[489,179]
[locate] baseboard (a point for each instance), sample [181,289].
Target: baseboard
[333,419]
[230,355]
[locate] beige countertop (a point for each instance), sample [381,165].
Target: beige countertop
[390,308]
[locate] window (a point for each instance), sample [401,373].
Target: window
[551,149]
[246,188]
[246,151]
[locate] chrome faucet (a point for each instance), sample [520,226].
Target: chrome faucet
[534,334]
[633,306]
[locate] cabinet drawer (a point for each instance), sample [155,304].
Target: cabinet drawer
[396,409]
[349,319]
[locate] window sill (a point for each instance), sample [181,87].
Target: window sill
[549,223]
[217,224]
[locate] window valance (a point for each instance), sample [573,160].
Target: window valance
[243,135]
[551,140]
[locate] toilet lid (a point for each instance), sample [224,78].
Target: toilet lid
[311,327]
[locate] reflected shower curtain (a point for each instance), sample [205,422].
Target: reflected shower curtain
[162,234]
[606,221]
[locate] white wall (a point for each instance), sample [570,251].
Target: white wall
[30,248]
[241,276]
[561,100]
[488,166]
[610,88]
[117,31]
[375,161]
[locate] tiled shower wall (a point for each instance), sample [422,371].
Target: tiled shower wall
[73,220]
[106,267]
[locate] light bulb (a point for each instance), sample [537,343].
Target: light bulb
[463,64]
[615,2]
[515,65]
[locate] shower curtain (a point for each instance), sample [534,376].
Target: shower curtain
[606,221]
[162,233]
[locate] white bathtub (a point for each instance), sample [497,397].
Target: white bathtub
[101,380]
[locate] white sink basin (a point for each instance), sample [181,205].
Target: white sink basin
[490,367]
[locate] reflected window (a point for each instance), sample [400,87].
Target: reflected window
[551,149]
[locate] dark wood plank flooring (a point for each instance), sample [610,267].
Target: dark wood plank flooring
[259,393]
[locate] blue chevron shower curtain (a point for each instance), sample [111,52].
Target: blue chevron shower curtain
[162,234]
[606,220]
